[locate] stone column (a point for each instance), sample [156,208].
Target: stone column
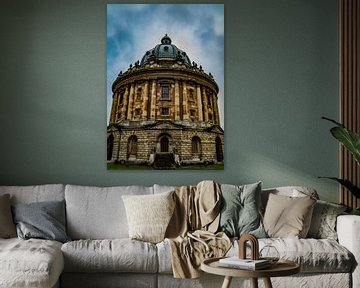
[200,109]
[114,107]
[205,106]
[217,110]
[125,102]
[212,107]
[153,100]
[131,102]
[185,103]
[177,100]
[145,100]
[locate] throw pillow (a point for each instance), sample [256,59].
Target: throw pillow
[44,220]
[323,222]
[240,210]
[7,226]
[288,217]
[149,215]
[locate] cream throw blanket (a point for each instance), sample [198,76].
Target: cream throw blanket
[191,231]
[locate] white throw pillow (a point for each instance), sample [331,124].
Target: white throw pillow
[149,215]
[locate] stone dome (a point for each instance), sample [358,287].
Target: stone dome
[165,51]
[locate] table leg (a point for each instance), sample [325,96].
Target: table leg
[254,282]
[267,283]
[227,282]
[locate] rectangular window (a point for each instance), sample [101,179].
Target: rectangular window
[137,112]
[138,94]
[165,95]
[165,111]
[191,95]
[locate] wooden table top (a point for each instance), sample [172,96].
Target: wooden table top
[281,268]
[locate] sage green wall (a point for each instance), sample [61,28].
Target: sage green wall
[281,63]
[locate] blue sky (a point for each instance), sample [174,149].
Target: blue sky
[198,29]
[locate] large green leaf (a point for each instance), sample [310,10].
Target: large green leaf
[348,138]
[347,184]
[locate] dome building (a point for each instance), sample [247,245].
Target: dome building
[165,112]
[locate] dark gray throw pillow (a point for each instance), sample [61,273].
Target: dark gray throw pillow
[240,213]
[44,220]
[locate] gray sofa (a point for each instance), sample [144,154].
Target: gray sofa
[101,254]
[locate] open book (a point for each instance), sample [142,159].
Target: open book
[236,262]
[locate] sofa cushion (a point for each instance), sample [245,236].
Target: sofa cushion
[109,280]
[287,216]
[323,222]
[30,263]
[36,193]
[149,215]
[116,255]
[98,213]
[43,220]
[7,226]
[313,255]
[240,210]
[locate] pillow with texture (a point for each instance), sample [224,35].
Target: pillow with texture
[288,217]
[43,220]
[323,222]
[149,215]
[7,226]
[240,213]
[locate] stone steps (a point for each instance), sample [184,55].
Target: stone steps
[164,160]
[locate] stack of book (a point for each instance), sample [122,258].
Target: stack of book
[248,264]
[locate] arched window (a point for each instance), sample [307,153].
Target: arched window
[132,145]
[219,150]
[196,145]
[110,145]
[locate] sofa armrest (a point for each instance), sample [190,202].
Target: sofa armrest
[348,230]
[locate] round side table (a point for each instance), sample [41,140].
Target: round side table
[281,268]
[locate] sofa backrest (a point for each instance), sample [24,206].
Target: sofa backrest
[36,193]
[163,188]
[98,212]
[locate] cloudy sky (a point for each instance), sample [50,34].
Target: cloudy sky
[197,29]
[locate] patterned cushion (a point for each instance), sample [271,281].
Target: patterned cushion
[323,221]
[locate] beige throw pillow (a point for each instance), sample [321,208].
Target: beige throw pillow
[149,215]
[7,226]
[288,217]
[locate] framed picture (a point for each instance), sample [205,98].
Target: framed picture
[165,86]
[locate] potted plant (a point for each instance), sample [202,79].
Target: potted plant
[351,141]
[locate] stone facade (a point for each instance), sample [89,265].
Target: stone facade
[165,105]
